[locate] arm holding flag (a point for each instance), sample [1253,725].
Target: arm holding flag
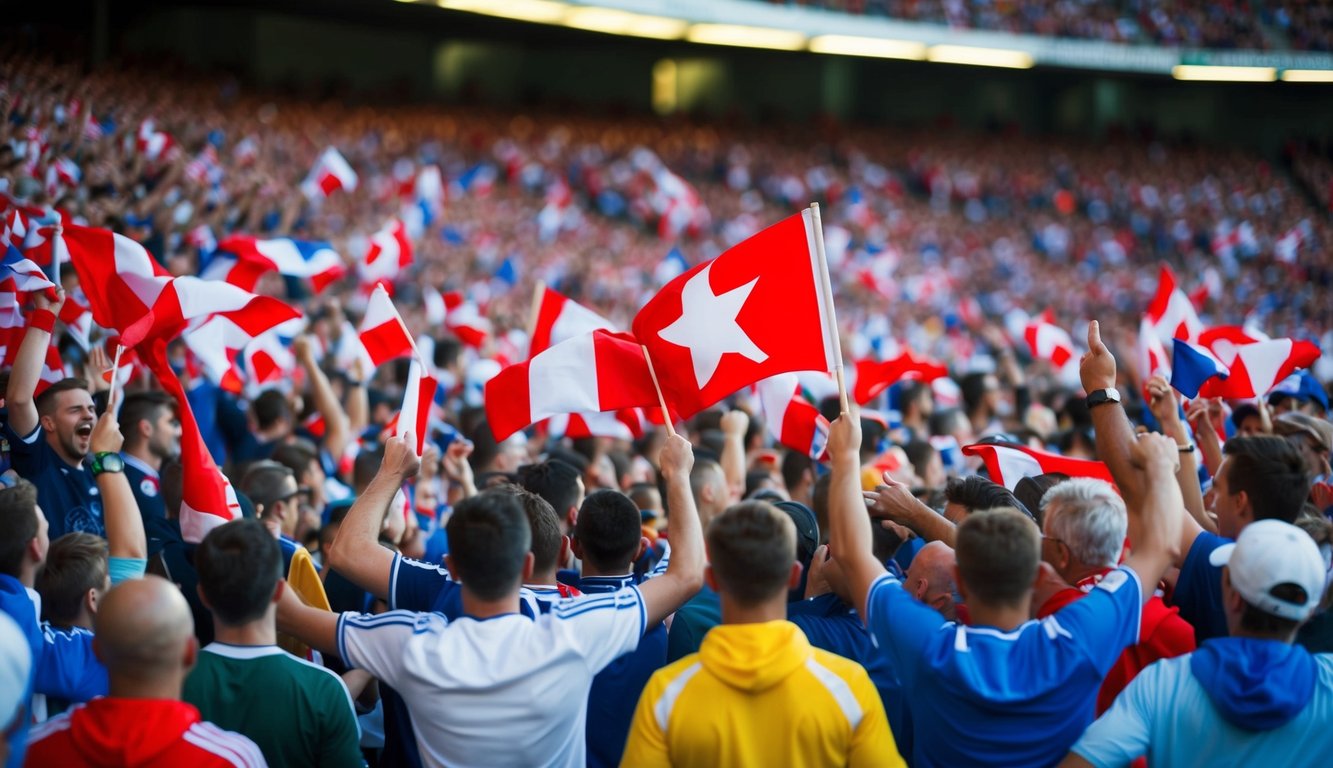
[336,432]
[356,551]
[849,534]
[23,418]
[685,574]
[1166,409]
[124,524]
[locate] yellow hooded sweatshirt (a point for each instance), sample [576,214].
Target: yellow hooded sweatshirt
[760,695]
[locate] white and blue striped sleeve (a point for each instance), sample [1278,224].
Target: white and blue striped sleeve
[414,585]
[602,628]
[375,643]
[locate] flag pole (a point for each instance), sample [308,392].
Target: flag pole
[115,382]
[416,353]
[830,315]
[538,291]
[666,414]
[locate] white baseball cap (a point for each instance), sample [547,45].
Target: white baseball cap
[1269,553]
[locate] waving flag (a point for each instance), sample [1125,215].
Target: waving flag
[389,252]
[313,260]
[330,174]
[560,318]
[53,370]
[465,320]
[382,331]
[1048,341]
[599,371]
[1171,314]
[874,377]
[1191,366]
[186,299]
[27,276]
[791,419]
[436,310]
[1223,341]
[120,278]
[151,142]
[418,399]
[1259,367]
[1153,360]
[624,424]
[1007,463]
[751,313]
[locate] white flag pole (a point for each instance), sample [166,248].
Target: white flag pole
[830,314]
[666,414]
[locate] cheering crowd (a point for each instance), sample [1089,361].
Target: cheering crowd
[382,581]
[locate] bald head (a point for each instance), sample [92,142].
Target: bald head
[144,631]
[930,578]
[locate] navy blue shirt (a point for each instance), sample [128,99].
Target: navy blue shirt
[67,494]
[147,488]
[1198,592]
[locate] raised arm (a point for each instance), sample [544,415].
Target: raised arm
[120,512]
[849,525]
[336,429]
[894,502]
[685,574]
[315,627]
[1166,409]
[356,552]
[734,425]
[1114,433]
[1155,519]
[28,364]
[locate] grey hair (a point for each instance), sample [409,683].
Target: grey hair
[1089,517]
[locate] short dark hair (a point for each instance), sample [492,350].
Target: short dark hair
[18,524]
[239,564]
[978,493]
[973,388]
[489,538]
[296,456]
[263,483]
[366,465]
[553,480]
[46,401]
[1271,472]
[1258,621]
[998,554]
[142,406]
[751,548]
[608,530]
[794,466]
[270,408]
[75,563]
[919,453]
[545,526]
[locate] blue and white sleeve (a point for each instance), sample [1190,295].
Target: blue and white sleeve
[900,625]
[415,585]
[1106,622]
[375,643]
[67,668]
[603,627]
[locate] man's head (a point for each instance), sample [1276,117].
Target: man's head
[148,422]
[144,634]
[708,483]
[1272,581]
[965,495]
[1312,436]
[1261,478]
[798,476]
[549,546]
[998,553]
[239,565]
[752,554]
[23,541]
[930,578]
[272,414]
[489,542]
[74,579]
[559,483]
[981,393]
[302,458]
[65,410]
[1085,524]
[609,533]
[273,489]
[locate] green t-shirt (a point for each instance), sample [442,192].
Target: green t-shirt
[299,714]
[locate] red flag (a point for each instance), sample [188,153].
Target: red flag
[1008,463]
[418,398]
[1048,341]
[382,331]
[560,318]
[185,299]
[599,371]
[389,252]
[1257,368]
[466,320]
[120,279]
[751,313]
[624,424]
[874,377]
[1171,313]
[792,420]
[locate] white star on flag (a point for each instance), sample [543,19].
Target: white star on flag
[708,327]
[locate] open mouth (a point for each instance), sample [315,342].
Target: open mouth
[84,431]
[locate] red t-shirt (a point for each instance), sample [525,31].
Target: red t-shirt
[151,733]
[1162,635]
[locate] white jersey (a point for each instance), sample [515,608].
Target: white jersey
[505,691]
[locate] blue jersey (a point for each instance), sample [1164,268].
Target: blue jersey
[147,488]
[981,696]
[1198,592]
[67,494]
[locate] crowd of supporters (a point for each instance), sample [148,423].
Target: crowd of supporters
[544,599]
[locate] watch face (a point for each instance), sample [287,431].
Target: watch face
[112,462]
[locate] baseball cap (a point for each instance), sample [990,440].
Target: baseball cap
[1303,424]
[1269,553]
[807,529]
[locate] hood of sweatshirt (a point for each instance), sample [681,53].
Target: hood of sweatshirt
[114,731]
[754,657]
[1257,685]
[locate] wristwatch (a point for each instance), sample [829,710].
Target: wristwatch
[107,461]
[1102,396]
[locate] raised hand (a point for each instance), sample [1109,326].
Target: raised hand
[676,459]
[1097,368]
[400,456]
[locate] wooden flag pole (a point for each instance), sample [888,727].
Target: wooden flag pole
[115,381]
[830,314]
[666,414]
[538,291]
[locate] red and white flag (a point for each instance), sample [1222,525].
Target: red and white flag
[792,420]
[560,318]
[624,424]
[751,313]
[433,303]
[466,320]
[53,370]
[1153,359]
[418,399]
[873,377]
[599,371]
[1048,341]
[121,280]
[1258,367]
[1008,463]
[187,299]
[382,332]
[312,260]
[330,174]
[151,142]
[389,252]
[1171,313]
[1224,340]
